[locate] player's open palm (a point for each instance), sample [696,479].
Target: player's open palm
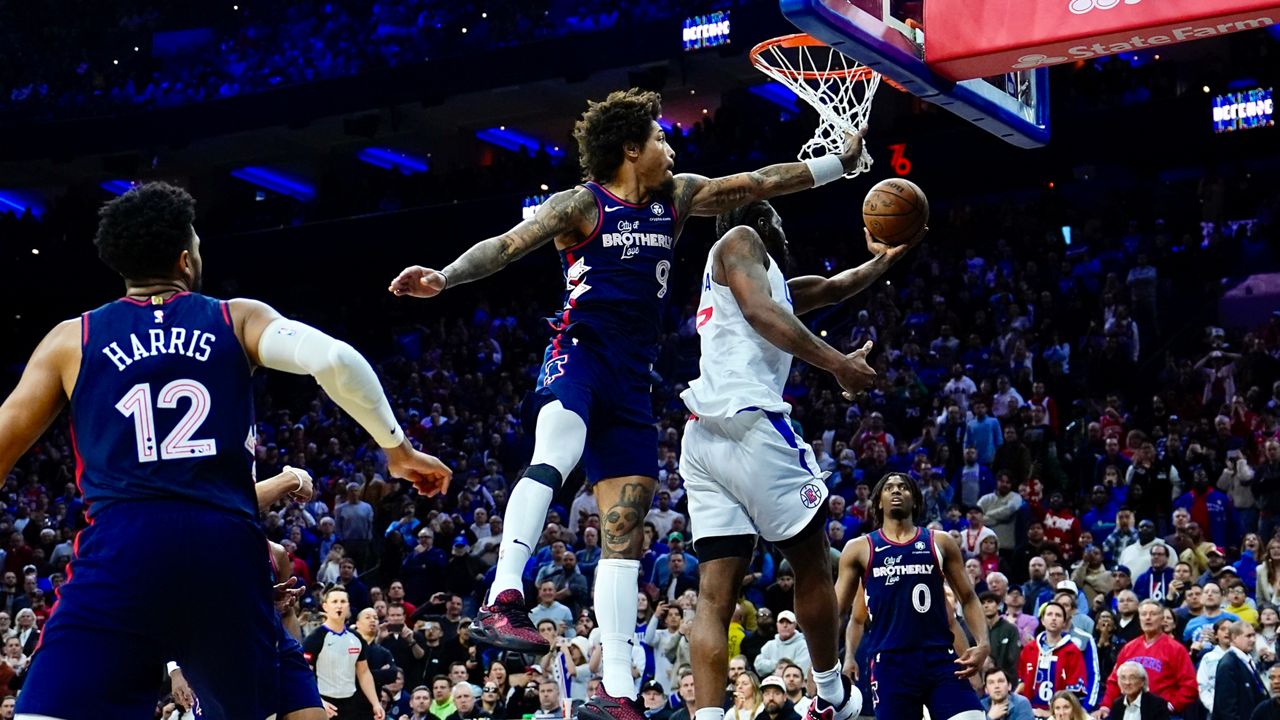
[853,142]
[895,252]
[971,661]
[426,472]
[417,281]
[854,374]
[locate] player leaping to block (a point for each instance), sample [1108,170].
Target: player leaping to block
[746,471]
[616,235]
[908,626]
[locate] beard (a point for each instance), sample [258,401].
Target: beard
[902,512]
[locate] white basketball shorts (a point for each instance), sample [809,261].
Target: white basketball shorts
[750,474]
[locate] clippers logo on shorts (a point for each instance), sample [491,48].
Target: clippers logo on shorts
[810,496]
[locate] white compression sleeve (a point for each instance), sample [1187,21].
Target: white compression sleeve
[345,375]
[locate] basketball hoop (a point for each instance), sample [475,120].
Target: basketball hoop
[838,87]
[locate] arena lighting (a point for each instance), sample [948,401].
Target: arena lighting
[275,182]
[389,159]
[778,94]
[116,187]
[19,203]
[706,31]
[516,141]
[1243,110]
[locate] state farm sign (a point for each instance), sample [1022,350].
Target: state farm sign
[965,40]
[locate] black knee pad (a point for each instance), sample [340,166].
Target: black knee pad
[544,474]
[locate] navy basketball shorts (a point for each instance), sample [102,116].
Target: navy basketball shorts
[297,681]
[153,581]
[610,389]
[904,682]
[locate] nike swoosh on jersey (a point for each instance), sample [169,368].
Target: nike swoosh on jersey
[887,547]
[611,208]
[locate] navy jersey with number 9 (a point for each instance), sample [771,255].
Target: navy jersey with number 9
[616,280]
[906,607]
[162,407]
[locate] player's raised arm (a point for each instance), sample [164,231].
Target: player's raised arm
[570,212]
[809,292]
[275,342]
[953,569]
[741,261]
[698,195]
[40,394]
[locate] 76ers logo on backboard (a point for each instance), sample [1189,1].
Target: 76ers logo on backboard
[810,496]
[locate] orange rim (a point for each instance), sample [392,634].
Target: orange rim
[803,40]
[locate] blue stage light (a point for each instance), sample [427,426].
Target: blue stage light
[389,159]
[19,203]
[517,141]
[276,182]
[778,94]
[116,187]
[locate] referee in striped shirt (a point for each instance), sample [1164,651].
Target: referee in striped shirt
[339,657]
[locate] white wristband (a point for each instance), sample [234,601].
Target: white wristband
[825,169]
[296,476]
[170,667]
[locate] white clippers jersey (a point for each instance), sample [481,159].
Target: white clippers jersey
[739,369]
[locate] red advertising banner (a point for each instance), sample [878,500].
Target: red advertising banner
[967,39]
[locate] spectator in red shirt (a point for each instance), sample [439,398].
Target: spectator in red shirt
[1051,662]
[1061,526]
[1170,673]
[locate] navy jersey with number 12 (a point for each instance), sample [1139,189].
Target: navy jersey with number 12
[905,602]
[163,408]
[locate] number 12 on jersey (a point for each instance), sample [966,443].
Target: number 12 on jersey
[177,445]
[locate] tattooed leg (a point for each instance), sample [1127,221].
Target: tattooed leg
[624,502]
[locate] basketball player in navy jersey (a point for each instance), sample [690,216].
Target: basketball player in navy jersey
[901,569]
[746,471]
[616,235]
[162,417]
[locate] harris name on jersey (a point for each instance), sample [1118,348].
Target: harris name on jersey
[196,344]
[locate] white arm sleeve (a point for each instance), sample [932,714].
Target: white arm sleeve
[345,375]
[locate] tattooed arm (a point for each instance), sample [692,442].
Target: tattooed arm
[698,195]
[740,263]
[570,213]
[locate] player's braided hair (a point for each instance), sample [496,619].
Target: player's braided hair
[747,215]
[917,498]
[608,126]
[142,233]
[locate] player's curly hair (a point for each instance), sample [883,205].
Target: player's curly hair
[607,126]
[917,498]
[142,233]
[747,215]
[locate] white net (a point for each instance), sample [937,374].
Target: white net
[838,87]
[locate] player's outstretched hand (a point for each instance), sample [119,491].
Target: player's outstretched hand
[426,472]
[855,375]
[853,142]
[287,593]
[417,281]
[851,668]
[971,661]
[895,252]
[181,690]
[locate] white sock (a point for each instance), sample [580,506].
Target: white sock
[521,528]
[616,605]
[709,713]
[830,688]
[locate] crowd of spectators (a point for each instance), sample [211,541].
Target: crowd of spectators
[82,60]
[1108,460]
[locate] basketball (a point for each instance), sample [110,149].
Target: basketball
[895,210]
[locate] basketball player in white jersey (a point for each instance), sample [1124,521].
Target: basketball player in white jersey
[746,471]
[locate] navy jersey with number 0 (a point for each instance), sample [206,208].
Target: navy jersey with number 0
[905,601]
[163,407]
[616,279]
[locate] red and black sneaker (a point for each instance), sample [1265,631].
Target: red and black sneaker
[820,709]
[505,624]
[606,707]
